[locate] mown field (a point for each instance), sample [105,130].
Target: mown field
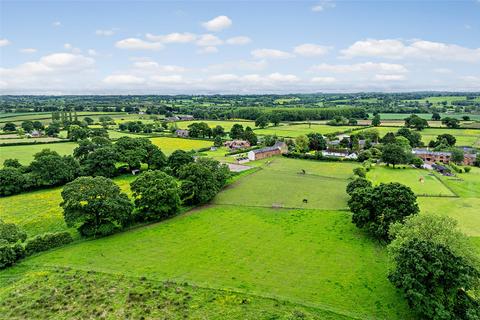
[296,130]
[426,116]
[312,257]
[227,125]
[168,145]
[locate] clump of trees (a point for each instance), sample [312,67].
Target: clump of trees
[375,208]
[237,132]
[436,268]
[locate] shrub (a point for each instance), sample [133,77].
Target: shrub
[47,241]
[361,172]
[467,169]
[358,183]
[10,233]
[10,253]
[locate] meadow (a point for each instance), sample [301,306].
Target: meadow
[310,257]
[227,125]
[24,153]
[295,130]
[426,116]
[422,182]
[168,144]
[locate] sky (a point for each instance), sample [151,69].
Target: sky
[238,47]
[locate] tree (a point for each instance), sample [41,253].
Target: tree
[76,133]
[451,122]
[37,125]
[250,136]
[49,168]
[414,138]
[436,116]
[435,281]
[301,144]
[236,132]
[374,209]
[376,120]
[27,126]
[274,119]
[9,126]
[451,140]
[12,163]
[416,122]
[101,162]
[357,184]
[88,120]
[12,181]
[218,131]
[394,154]
[177,159]
[217,141]
[261,121]
[156,159]
[316,141]
[132,151]
[202,180]
[156,195]
[53,129]
[457,155]
[389,137]
[95,206]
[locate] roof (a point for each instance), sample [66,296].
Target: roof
[433,153]
[267,149]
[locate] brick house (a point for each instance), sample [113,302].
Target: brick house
[181,133]
[442,156]
[237,144]
[277,149]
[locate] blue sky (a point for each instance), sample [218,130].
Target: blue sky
[134,47]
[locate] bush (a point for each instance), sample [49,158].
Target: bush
[10,233]
[10,253]
[361,172]
[467,169]
[358,183]
[47,241]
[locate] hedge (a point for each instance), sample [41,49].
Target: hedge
[47,241]
[10,253]
[316,157]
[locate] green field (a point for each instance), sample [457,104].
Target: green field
[311,257]
[38,212]
[168,145]
[227,125]
[427,116]
[422,182]
[25,153]
[296,130]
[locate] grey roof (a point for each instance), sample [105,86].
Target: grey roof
[267,149]
[433,153]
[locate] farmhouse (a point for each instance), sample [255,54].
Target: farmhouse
[181,133]
[441,156]
[237,144]
[276,149]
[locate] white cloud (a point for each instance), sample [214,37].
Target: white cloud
[420,49]
[92,52]
[323,5]
[28,50]
[4,42]
[240,65]
[310,50]
[123,79]
[324,80]
[175,37]
[71,48]
[278,77]
[442,70]
[209,49]
[240,40]
[224,78]
[361,67]
[138,44]
[389,77]
[152,66]
[105,32]
[208,40]
[218,23]
[168,79]
[270,53]
[254,78]
[56,24]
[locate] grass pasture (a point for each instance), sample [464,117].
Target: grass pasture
[227,125]
[24,153]
[311,257]
[295,130]
[281,184]
[431,185]
[38,211]
[168,144]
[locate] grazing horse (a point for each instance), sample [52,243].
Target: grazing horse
[305,200]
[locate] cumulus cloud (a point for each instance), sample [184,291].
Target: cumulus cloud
[420,49]
[389,77]
[28,50]
[175,37]
[152,66]
[208,40]
[323,5]
[123,79]
[240,40]
[209,49]
[361,67]
[270,53]
[310,50]
[217,24]
[269,79]
[4,42]
[170,79]
[56,24]
[324,80]
[105,32]
[138,44]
